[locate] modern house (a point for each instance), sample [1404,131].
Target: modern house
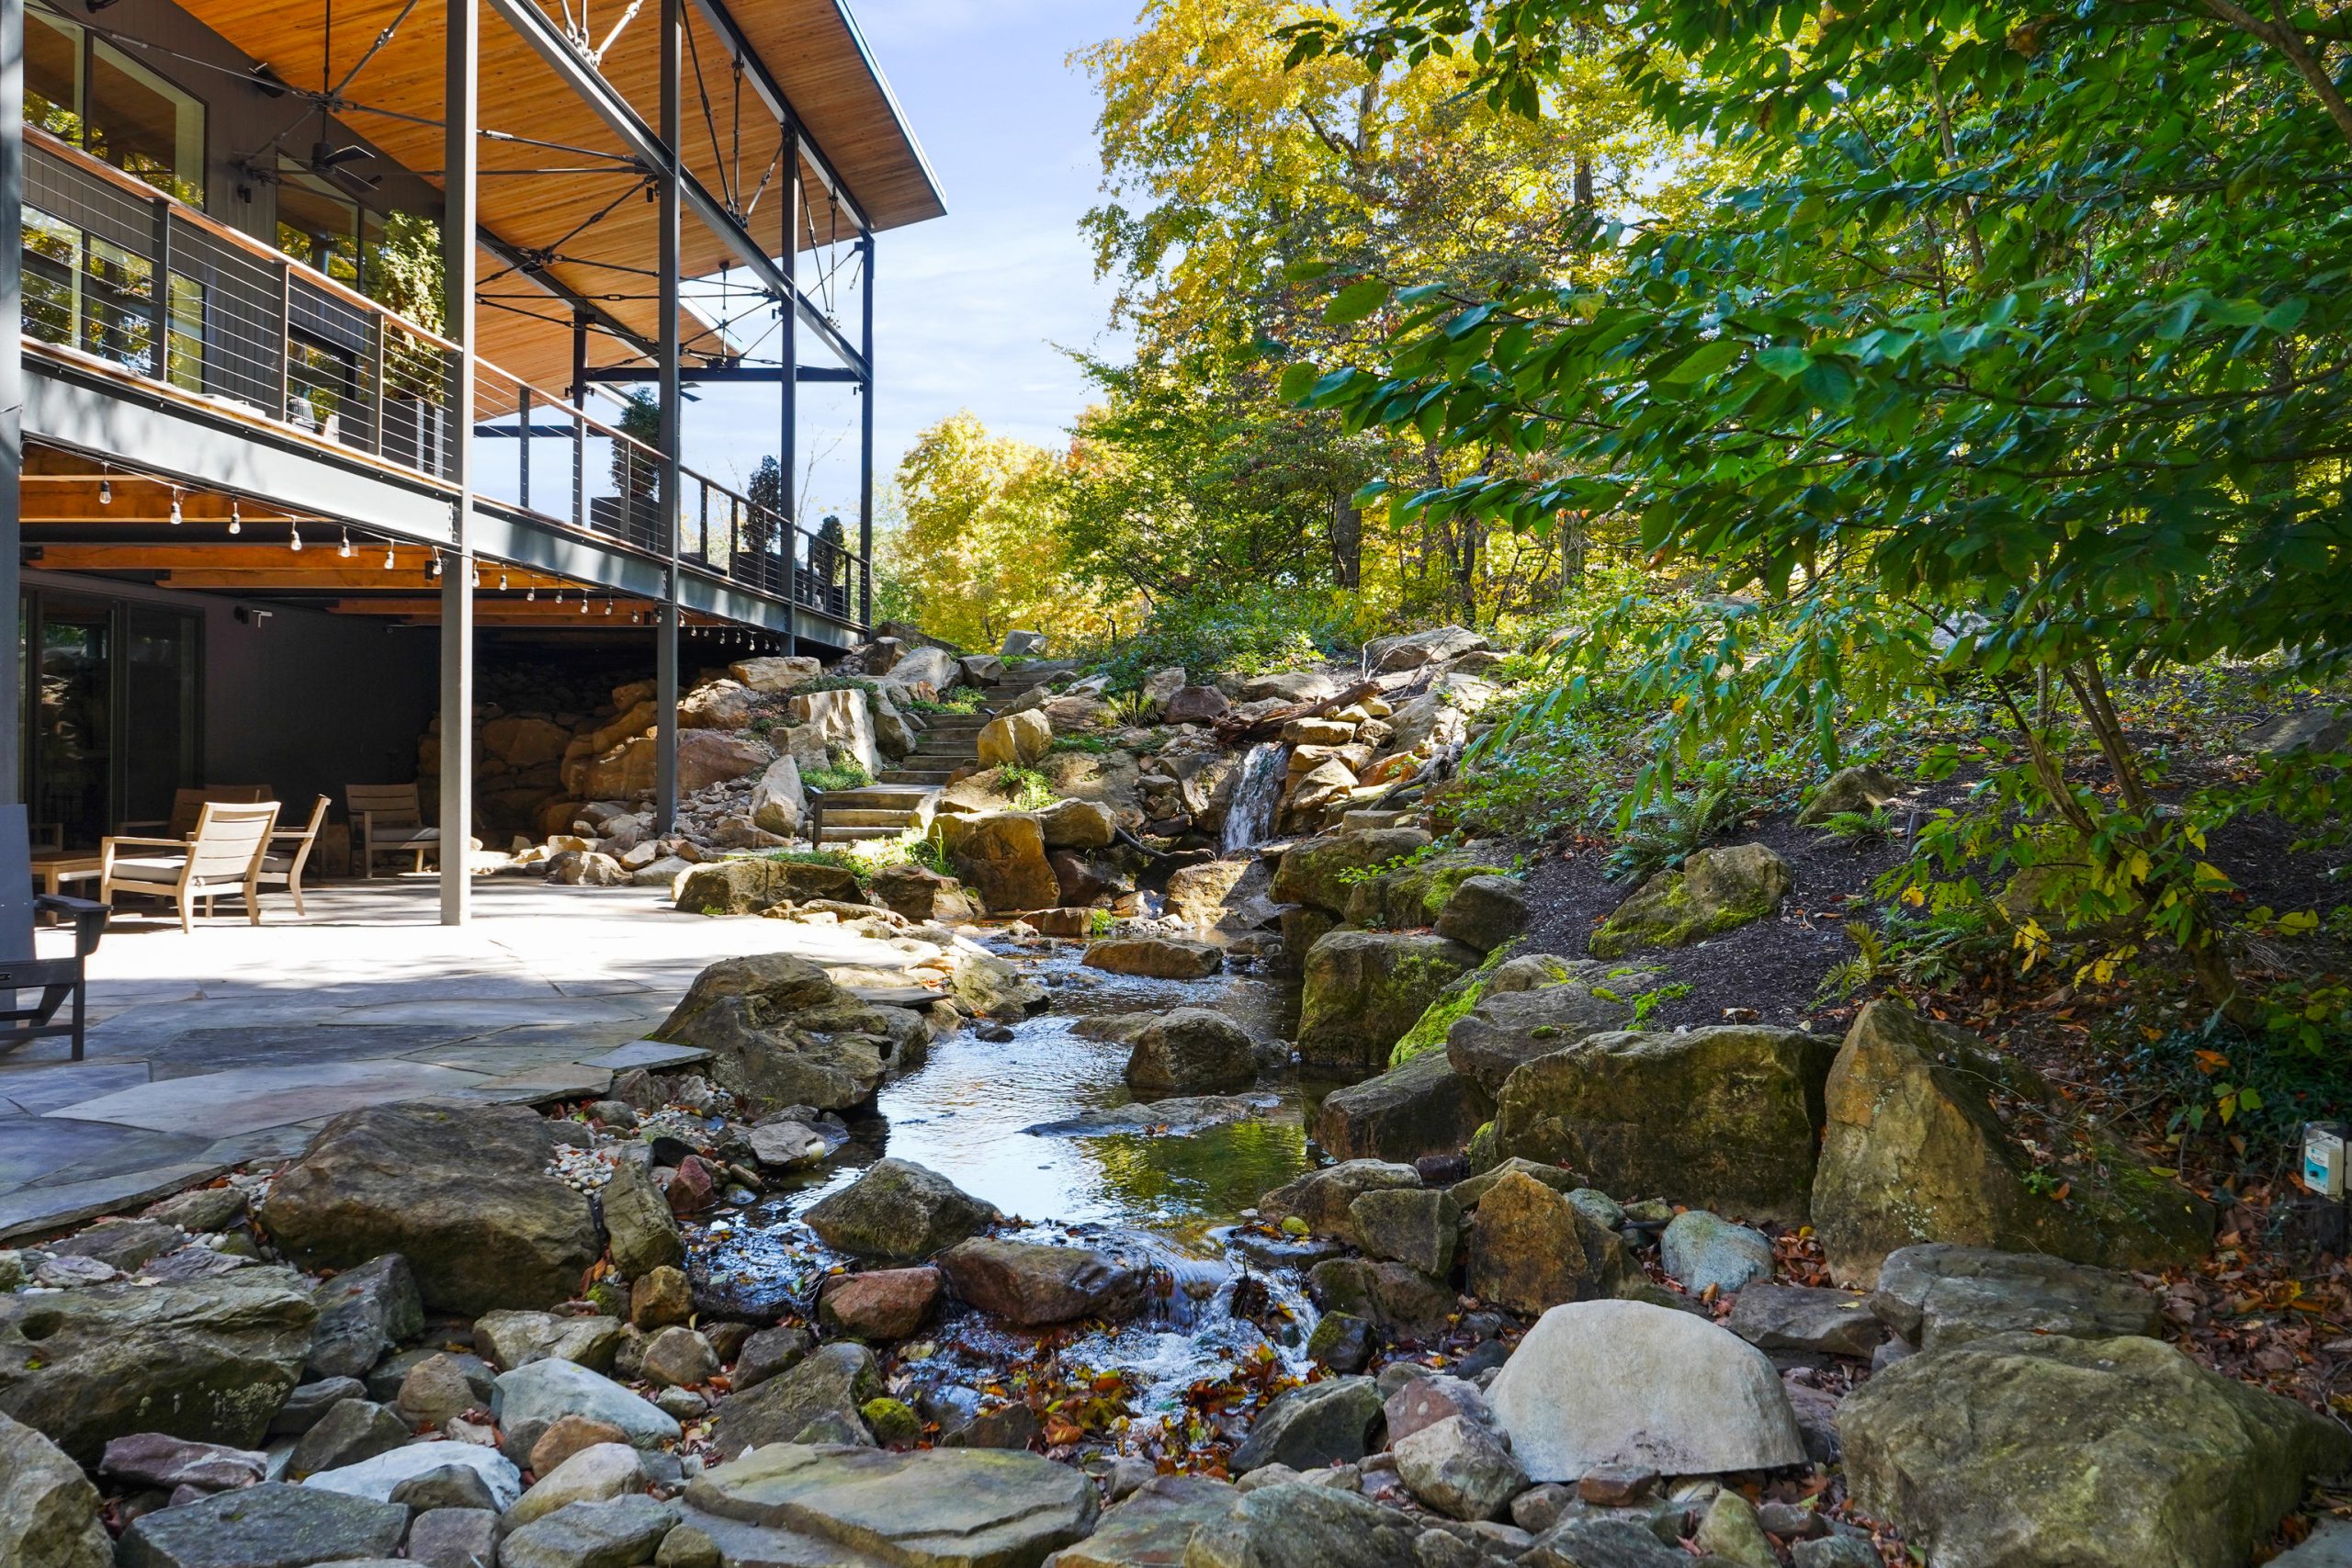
[352,338]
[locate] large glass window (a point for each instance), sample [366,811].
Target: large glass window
[113,723]
[87,91]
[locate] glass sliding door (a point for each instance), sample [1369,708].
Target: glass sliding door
[113,715]
[73,719]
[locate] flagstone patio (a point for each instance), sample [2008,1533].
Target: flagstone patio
[237,1043]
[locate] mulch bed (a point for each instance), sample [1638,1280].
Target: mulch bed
[1772,966]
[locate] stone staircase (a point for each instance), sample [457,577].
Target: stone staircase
[900,798]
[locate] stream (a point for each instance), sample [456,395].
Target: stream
[1222,1300]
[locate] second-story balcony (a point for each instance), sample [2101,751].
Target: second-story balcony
[126,283]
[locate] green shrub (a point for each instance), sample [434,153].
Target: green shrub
[841,772]
[1252,631]
[1028,789]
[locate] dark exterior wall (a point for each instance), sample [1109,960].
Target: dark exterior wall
[303,701]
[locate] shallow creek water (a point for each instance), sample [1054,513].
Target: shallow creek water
[1166,1200]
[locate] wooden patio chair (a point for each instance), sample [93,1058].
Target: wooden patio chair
[388,819]
[289,850]
[223,856]
[188,804]
[59,978]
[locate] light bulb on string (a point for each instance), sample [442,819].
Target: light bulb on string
[533,596]
[175,509]
[294,537]
[345,547]
[106,491]
[502,580]
[609,604]
[236,518]
[435,569]
[391,559]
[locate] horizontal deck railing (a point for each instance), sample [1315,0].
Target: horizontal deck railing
[120,274]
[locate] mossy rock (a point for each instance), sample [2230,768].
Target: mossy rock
[1416,895]
[1317,871]
[890,1421]
[1714,892]
[1364,989]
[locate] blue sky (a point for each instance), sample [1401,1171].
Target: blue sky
[970,307]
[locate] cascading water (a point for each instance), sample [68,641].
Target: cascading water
[1257,790]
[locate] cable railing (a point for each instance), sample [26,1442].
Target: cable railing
[121,276]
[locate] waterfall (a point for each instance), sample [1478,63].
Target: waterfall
[1257,792]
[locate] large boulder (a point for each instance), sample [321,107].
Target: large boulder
[1321,1199]
[1336,1421]
[1858,789]
[1460,1468]
[1423,1107]
[1417,892]
[1504,1029]
[1015,739]
[529,1399]
[1029,1284]
[462,1192]
[707,756]
[1937,1296]
[643,1233]
[270,1526]
[1077,825]
[1625,1383]
[1000,855]
[834,723]
[775,672]
[49,1510]
[1206,1524]
[717,704]
[918,893]
[1432,646]
[1714,891]
[1192,1051]
[926,666]
[2097,1453]
[1318,871]
[523,741]
[827,1387]
[1912,1152]
[1156,957]
[898,1211]
[778,801]
[1721,1118]
[1365,989]
[964,1507]
[749,887]
[1440,716]
[1197,894]
[1531,1248]
[1397,1298]
[1484,912]
[363,1313]
[781,1032]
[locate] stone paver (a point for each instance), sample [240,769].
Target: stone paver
[235,1043]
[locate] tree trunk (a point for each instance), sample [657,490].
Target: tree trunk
[1346,542]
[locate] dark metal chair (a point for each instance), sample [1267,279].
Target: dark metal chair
[21,969]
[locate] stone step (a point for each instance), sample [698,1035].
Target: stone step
[899,818]
[886,794]
[845,835]
[928,778]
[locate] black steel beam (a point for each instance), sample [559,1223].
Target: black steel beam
[555,287]
[722,22]
[622,119]
[11,385]
[720,375]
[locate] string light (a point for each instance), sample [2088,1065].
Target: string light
[583,601]
[294,537]
[502,580]
[175,509]
[436,570]
[609,604]
[346,550]
[236,518]
[106,491]
[532,597]
[390,558]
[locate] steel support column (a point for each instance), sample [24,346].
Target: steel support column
[460,114]
[865,441]
[12,385]
[788,455]
[665,674]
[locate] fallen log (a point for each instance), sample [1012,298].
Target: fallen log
[1232,732]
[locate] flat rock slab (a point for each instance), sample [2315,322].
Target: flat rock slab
[648,1054]
[270,1526]
[1186,1113]
[1937,1296]
[1805,1320]
[375,1478]
[933,1508]
[31,1210]
[290,1046]
[246,1100]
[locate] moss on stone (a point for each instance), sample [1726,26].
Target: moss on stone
[891,1421]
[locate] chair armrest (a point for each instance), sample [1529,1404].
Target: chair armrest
[295,833]
[153,843]
[89,918]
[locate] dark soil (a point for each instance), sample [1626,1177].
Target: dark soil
[1772,967]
